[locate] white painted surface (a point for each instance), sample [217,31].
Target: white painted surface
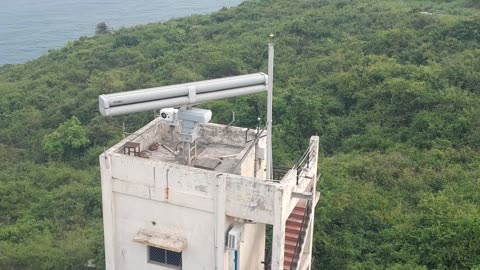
[108,211]
[196,226]
[220,223]
[252,251]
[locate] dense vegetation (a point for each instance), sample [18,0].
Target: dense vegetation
[392,88]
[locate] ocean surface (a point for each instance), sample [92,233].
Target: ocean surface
[29,28]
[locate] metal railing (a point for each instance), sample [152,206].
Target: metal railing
[304,161]
[279,172]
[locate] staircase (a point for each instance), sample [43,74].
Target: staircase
[296,229]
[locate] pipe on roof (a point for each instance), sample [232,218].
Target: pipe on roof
[175,92]
[177,101]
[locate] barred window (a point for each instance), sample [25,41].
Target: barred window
[163,256]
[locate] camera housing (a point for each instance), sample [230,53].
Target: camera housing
[169,115]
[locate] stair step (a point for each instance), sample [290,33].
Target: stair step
[291,217]
[287,266]
[289,252]
[293,231]
[294,226]
[294,223]
[299,205]
[291,237]
[298,210]
[287,258]
[290,244]
[296,215]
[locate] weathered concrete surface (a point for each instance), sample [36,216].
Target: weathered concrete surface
[161,240]
[247,197]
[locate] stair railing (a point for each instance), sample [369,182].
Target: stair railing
[304,161]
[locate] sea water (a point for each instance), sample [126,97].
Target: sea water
[29,28]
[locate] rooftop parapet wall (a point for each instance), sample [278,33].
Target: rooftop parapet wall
[159,130]
[222,134]
[234,147]
[192,187]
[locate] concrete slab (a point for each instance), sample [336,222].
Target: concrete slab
[213,156]
[161,240]
[207,163]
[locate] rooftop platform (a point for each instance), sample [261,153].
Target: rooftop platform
[214,156]
[219,147]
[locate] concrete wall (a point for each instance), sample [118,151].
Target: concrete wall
[215,133]
[192,187]
[251,165]
[146,136]
[134,214]
[252,251]
[250,199]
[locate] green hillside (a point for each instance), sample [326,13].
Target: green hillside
[392,88]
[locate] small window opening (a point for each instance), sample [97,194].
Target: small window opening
[165,257]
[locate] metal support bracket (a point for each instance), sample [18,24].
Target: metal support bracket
[192,94]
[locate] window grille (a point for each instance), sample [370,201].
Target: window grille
[166,257]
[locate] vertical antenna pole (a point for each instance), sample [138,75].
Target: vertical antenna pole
[269,110]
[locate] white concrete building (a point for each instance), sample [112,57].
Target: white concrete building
[162,214]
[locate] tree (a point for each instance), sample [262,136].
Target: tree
[102,29]
[69,138]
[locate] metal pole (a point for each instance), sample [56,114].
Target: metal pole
[269,110]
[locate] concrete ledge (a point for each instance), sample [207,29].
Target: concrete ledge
[161,240]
